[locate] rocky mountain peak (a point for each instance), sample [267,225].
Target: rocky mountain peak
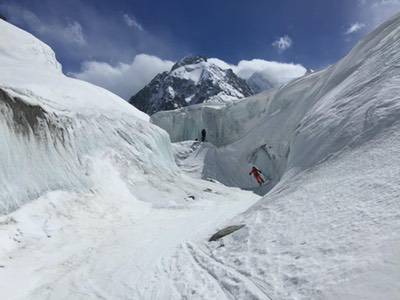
[192,80]
[189,60]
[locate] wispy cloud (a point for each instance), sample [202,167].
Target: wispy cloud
[132,22]
[355,28]
[283,43]
[68,33]
[80,32]
[74,33]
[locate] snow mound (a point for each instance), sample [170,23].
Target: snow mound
[52,126]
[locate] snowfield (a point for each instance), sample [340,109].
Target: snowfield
[97,204]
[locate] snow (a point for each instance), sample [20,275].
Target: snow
[190,155]
[21,53]
[91,197]
[329,226]
[51,125]
[97,203]
[189,99]
[108,243]
[302,123]
[225,122]
[171,91]
[190,72]
[209,70]
[332,232]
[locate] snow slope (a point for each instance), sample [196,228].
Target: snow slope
[331,233]
[52,125]
[329,227]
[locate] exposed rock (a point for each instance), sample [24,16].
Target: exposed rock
[224,232]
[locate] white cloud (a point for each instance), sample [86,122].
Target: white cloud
[132,22]
[124,80]
[70,33]
[355,27]
[276,73]
[283,43]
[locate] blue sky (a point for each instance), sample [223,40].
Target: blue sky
[313,33]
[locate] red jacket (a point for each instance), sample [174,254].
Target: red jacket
[255,172]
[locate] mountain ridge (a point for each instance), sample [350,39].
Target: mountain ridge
[191,80]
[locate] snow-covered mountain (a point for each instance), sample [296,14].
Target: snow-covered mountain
[192,80]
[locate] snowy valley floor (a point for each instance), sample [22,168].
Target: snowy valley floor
[331,233]
[107,245]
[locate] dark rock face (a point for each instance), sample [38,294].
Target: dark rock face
[26,117]
[192,80]
[29,120]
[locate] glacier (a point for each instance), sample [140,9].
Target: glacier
[51,125]
[97,203]
[328,226]
[88,186]
[303,123]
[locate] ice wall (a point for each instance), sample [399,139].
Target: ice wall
[53,128]
[43,151]
[306,121]
[224,123]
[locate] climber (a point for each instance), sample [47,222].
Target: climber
[203,135]
[257,175]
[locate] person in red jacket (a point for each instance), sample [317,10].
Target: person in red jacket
[257,175]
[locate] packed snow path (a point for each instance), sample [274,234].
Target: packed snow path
[66,246]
